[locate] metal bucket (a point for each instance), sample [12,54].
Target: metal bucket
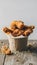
[17,43]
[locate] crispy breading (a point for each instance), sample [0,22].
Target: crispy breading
[17,28]
[5,50]
[27,32]
[16,32]
[7,30]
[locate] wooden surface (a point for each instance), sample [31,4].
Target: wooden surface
[27,57]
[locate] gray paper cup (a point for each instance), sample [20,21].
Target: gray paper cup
[17,43]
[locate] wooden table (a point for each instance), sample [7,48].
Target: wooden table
[27,57]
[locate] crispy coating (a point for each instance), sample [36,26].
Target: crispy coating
[7,30]
[20,24]
[28,27]
[13,24]
[8,52]
[5,50]
[17,24]
[16,33]
[32,27]
[27,32]
[19,33]
[17,28]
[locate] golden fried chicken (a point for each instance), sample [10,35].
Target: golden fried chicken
[16,32]
[27,32]
[7,30]
[17,28]
[5,50]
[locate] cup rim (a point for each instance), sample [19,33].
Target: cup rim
[16,37]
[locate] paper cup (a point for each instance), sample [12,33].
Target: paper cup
[17,43]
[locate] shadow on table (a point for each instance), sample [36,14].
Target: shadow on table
[31,49]
[28,49]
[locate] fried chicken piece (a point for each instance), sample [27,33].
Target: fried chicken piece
[16,33]
[32,27]
[16,24]
[13,24]
[20,24]
[5,50]
[7,30]
[18,28]
[28,27]
[19,33]
[8,52]
[27,32]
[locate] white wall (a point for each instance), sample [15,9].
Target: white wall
[25,10]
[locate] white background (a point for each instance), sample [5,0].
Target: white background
[25,10]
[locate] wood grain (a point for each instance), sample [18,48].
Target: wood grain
[27,57]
